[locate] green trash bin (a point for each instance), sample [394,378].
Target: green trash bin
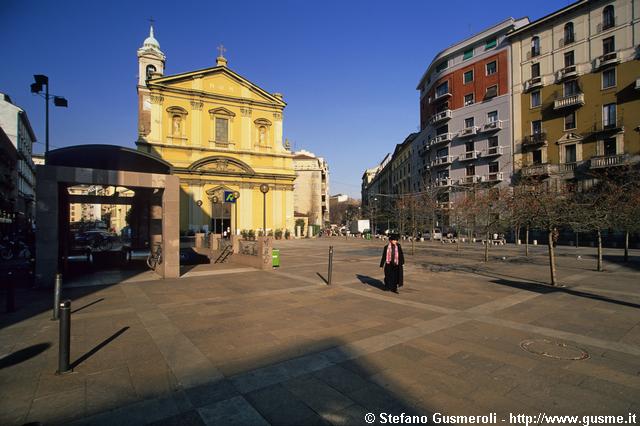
[275,256]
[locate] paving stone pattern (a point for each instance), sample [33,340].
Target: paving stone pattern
[230,345]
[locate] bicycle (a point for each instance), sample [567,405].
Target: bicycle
[155,257]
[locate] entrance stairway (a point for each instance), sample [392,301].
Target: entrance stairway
[227,251]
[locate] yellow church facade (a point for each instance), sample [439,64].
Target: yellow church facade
[222,134]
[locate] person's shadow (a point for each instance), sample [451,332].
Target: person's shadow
[373,282]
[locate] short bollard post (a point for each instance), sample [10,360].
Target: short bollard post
[65,338]
[56,296]
[11,293]
[330,265]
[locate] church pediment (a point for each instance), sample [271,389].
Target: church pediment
[221,165]
[219,81]
[569,138]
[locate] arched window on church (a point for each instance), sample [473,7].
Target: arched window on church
[150,70]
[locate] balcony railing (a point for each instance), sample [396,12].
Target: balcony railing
[468,131]
[493,177]
[440,116]
[609,161]
[469,155]
[568,101]
[535,139]
[440,182]
[567,72]
[532,83]
[437,97]
[537,170]
[567,168]
[469,180]
[441,161]
[493,150]
[491,126]
[606,59]
[442,138]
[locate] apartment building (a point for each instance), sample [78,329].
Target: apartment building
[576,91]
[401,166]
[311,187]
[465,112]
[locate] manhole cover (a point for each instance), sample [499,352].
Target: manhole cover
[553,349]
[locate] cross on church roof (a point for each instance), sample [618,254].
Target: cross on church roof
[221,49]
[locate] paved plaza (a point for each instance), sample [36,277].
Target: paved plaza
[232,345]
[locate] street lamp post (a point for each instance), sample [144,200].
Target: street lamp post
[59,101]
[264,188]
[236,195]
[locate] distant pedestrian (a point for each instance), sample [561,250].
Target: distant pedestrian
[392,261]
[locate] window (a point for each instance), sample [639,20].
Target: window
[492,116]
[150,70]
[442,130]
[608,20]
[442,152]
[468,76]
[568,33]
[469,146]
[608,45]
[442,66]
[570,121]
[609,115]
[492,92]
[535,46]
[492,67]
[569,59]
[468,122]
[493,141]
[535,99]
[471,170]
[571,88]
[570,154]
[490,44]
[494,167]
[468,54]
[535,70]
[609,78]
[222,130]
[468,99]
[537,156]
[610,147]
[536,127]
[443,89]
[443,107]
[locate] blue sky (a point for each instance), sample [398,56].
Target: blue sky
[347,69]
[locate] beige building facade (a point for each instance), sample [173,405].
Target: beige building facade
[311,187]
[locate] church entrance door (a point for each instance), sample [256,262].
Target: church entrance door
[221,218]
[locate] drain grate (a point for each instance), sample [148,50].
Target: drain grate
[553,349]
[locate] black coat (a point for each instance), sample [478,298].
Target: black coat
[393,274]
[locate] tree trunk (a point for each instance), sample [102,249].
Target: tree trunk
[626,246]
[552,258]
[486,248]
[526,241]
[599,251]
[577,236]
[458,242]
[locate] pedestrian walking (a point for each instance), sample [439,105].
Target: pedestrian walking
[392,261]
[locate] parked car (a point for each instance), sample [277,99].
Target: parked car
[437,235]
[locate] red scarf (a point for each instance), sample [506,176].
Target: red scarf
[396,257]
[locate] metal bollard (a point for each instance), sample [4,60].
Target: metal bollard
[11,294]
[64,343]
[330,265]
[56,297]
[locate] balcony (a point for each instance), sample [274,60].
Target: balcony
[569,101]
[492,126]
[532,83]
[442,138]
[493,151]
[442,161]
[567,72]
[441,96]
[567,169]
[606,59]
[469,180]
[442,182]
[493,177]
[440,116]
[468,131]
[536,170]
[609,161]
[470,155]
[535,139]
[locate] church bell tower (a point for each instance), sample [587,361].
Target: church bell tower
[151,62]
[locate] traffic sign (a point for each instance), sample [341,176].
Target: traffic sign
[229,197]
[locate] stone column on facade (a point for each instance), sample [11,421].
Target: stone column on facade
[155,135]
[197,138]
[277,132]
[244,140]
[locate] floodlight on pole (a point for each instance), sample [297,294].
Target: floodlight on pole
[59,101]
